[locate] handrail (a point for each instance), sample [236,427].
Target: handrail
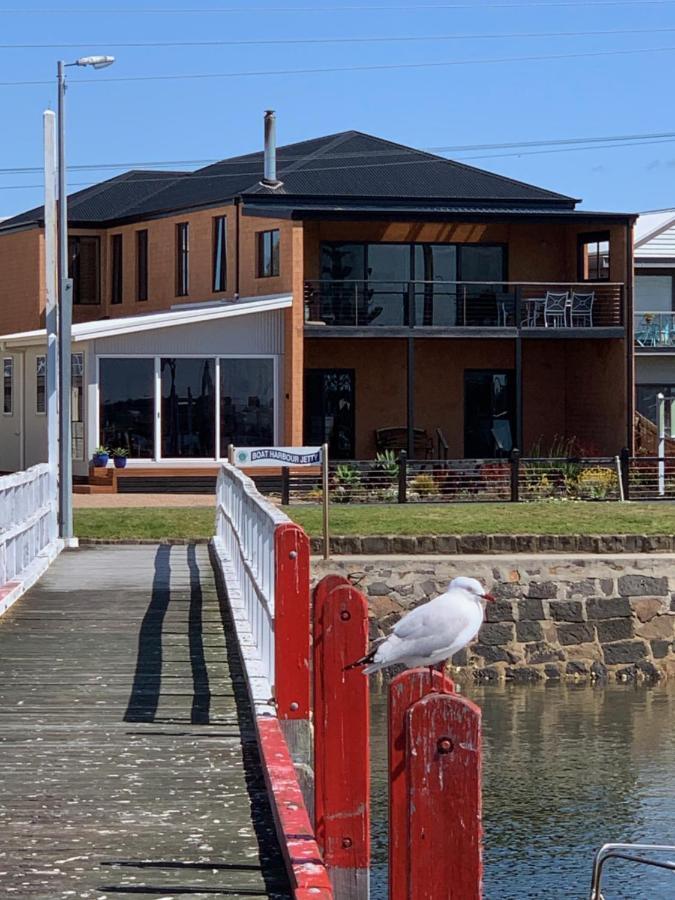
[441,445]
[622,851]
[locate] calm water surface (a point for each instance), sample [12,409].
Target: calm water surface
[565,769]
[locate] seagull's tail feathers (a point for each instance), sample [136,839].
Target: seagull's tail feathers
[368,658]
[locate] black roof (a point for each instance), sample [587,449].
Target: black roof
[350,166]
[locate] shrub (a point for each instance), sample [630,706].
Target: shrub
[596,482]
[346,483]
[424,485]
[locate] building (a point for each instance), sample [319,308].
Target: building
[324,291]
[654,309]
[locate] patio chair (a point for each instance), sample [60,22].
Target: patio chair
[581,309]
[555,309]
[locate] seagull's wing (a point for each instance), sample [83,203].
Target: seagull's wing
[425,618]
[434,626]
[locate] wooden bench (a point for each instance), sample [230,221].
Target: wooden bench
[396,438]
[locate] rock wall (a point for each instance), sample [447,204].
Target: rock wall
[582,618]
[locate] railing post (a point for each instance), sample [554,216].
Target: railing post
[624,458]
[443,763]
[285,486]
[403,477]
[292,636]
[404,690]
[515,475]
[341,736]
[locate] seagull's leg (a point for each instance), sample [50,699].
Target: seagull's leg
[431,677]
[441,668]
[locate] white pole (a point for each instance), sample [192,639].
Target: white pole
[324,473]
[51,279]
[661,419]
[672,418]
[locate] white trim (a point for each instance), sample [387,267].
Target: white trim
[86,331]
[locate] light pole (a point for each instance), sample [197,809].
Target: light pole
[65,307]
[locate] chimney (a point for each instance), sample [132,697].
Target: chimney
[270,166]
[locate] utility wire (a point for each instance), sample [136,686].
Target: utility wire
[357,68]
[607,140]
[257,10]
[375,39]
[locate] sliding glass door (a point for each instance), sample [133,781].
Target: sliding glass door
[178,407]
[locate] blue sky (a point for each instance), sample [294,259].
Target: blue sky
[483,103]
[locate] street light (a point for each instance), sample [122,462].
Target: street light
[65,307]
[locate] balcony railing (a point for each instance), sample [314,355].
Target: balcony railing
[655,330]
[463,304]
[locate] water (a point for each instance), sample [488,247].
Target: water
[565,769]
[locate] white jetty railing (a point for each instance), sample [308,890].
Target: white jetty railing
[245,544]
[28,531]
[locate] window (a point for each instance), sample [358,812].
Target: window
[489,413]
[646,401]
[41,385]
[219,254]
[142,265]
[182,259]
[8,386]
[76,406]
[268,253]
[594,256]
[188,407]
[655,292]
[116,274]
[127,405]
[84,269]
[246,403]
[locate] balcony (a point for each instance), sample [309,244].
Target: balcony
[654,331]
[463,308]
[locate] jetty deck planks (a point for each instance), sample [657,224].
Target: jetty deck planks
[128,761]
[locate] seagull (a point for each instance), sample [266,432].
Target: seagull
[431,633]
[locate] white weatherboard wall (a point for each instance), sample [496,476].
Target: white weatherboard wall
[660,246]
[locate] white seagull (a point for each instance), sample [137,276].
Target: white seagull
[431,633]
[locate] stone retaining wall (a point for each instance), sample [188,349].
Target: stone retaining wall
[581,618]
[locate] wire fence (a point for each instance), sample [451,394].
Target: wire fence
[395,479]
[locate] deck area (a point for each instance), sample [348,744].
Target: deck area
[128,761]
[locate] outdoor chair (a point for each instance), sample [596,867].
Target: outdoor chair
[581,309]
[555,309]
[396,439]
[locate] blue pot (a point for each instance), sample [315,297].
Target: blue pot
[100,460]
[120,462]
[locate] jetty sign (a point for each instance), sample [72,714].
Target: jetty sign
[249,457]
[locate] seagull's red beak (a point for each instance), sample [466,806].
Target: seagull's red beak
[489,598]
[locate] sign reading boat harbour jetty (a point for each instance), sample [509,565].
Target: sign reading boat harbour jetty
[249,457]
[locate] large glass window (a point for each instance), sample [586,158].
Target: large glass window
[489,413]
[219,254]
[268,253]
[84,269]
[8,386]
[188,407]
[246,403]
[127,405]
[594,256]
[330,411]
[655,293]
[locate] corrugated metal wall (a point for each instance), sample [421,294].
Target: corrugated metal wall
[255,333]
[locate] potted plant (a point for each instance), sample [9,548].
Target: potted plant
[100,457]
[119,456]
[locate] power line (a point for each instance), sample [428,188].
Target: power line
[351,8]
[354,68]
[257,174]
[607,140]
[375,39]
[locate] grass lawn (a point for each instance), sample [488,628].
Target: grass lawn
[546,517]
[132,524]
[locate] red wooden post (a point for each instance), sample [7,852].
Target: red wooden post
[404,690]
[443,760]
[291,622]
[341,736]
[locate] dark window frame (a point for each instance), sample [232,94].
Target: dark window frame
[74,268]
[116,269]
[8,385]
[219,260]
[142,265]
[182,259]
[273,251]
[583,241]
